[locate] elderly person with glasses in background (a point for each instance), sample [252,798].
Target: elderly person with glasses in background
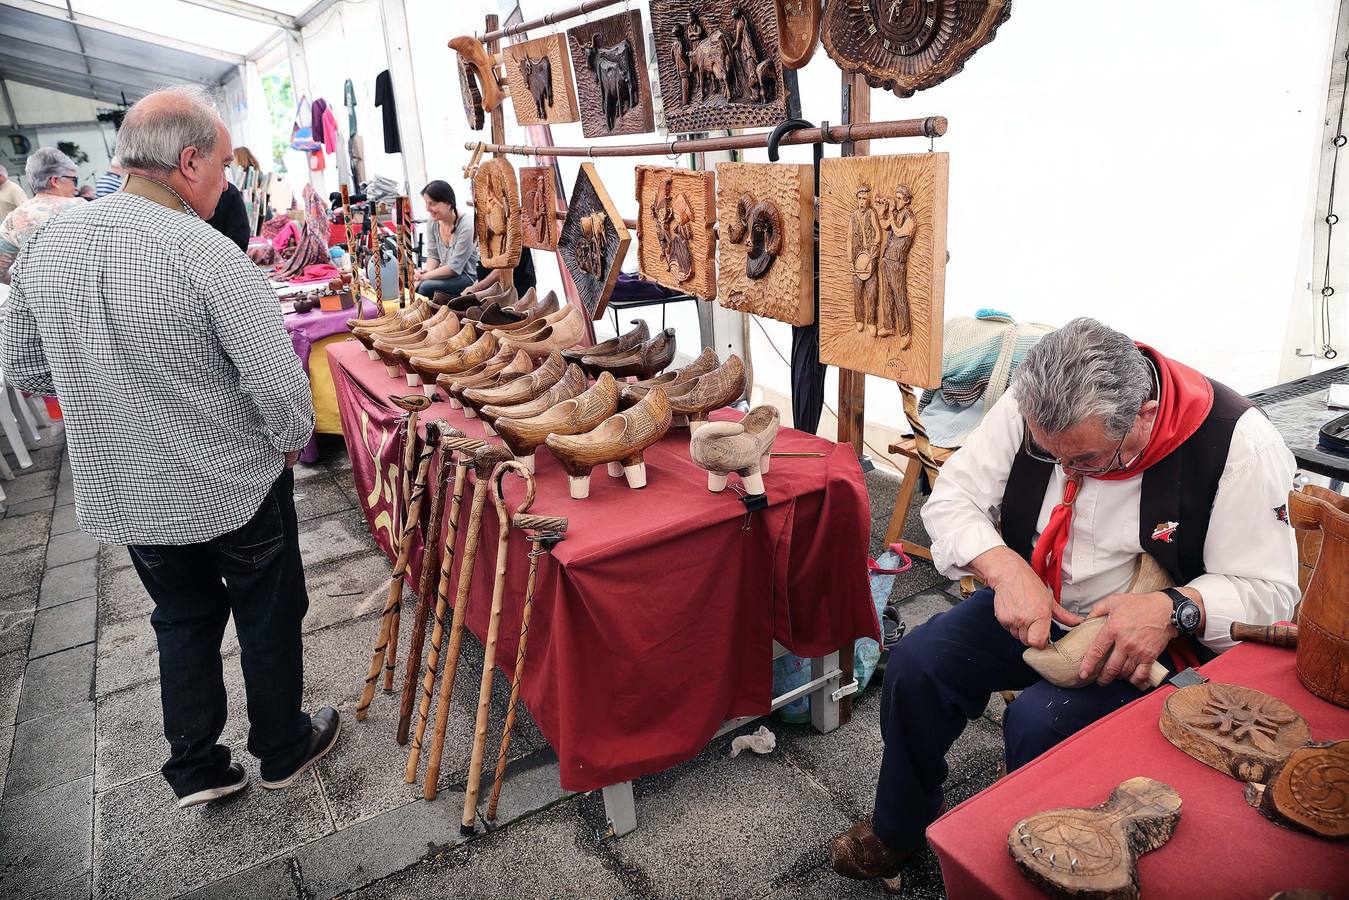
[52,175]
[1103,450]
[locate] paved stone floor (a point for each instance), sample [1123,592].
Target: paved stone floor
[85,813]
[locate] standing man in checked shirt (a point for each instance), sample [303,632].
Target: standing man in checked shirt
[185,408]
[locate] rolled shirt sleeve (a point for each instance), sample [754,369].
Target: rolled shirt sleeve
[23,362]
[247,321]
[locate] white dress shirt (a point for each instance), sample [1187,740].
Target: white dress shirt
[1250,555]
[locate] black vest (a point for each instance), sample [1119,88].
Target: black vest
[1177,489]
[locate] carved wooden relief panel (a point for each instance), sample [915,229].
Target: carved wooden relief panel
[676,247]
[909,45]
[718,64]
[593,241]
[496,214]
[539,76]
[608,57]
[766,259]
[883,265]
[798,30]
[538,203]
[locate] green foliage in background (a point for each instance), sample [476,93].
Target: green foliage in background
[280,96]
[72,149]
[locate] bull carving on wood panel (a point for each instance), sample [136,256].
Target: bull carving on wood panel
[539,81]
[616,75]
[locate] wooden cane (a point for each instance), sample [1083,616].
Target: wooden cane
[462,448]
[408,259]
[402,549]
[426,577]
[485,462]
[351,251]
[547,532]
[1274,635]
[378,251]
[493,629]
[412,518]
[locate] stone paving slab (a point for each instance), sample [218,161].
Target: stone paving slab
[48,456]
[112,557]
[58,628]
[147,847]
[44,838]
[334,537]
[73,581]
[70,547]
[346,590]
[127,656]
[6,744]
[22,532]
[919,608]
[57,682]
[11,684]
[30,484]
[64,520]
[530,784]
[320,495]
[21,570]
[78,888]
[554,854]
[51,750]
[122,596]
[16,622]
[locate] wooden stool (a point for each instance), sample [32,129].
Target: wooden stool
[908,448]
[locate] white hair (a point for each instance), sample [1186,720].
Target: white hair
[45,164]
[154,140]
[1084,370]
[4,173]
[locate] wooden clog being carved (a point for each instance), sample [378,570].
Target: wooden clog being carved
[458,361]
[499,369]
[526,387]
[643,360]
[552,338]
[575,416]
[694,399]
[741,447]
[1060,662]
[572,384]
[1311,791]
[618,441]
[1236,730]
[1093,853]
[620,344]
[633,393]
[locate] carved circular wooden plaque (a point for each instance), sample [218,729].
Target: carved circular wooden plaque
[1238,731]
[1312,790]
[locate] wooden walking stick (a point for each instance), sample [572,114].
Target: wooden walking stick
[464,448]
[356,294]
[414,404]
[485,462]
[413,516]
[547,532]
[493,629]
[378,250]
[409,259]
[426,577]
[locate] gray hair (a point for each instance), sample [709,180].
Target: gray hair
[155,139]
[4,173]
[1082,371]
[44,165]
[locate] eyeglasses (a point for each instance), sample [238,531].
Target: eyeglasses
[74,179]
[1036,452]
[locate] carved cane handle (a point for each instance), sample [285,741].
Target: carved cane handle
[498,496]
[1274,635]
[487,457]
[449,436]
[466,445]
[411,402]
[539,523]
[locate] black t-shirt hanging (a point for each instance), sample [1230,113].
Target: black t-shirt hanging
[384,100]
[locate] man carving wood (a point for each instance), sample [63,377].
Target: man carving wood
[1050,502]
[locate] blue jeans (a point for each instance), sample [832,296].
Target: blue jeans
[452,286]
[255,573]
[938,679]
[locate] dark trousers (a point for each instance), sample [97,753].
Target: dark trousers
[453,286]
[255,573]
[938,679]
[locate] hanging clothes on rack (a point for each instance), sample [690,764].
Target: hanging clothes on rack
[325,134]
[355,143]
[384,100]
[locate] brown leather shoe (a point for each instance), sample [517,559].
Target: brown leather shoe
[859,853]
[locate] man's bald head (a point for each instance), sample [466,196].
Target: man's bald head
[175,135]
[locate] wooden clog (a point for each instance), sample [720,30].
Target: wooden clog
[521,389]
[395,352]
[696,398]
[706,362]
[741,447]
[560,335]
[620,344]
[535,323]
[538,308]
[459,361]
[495,315]
[398,320]
[485,374]
[644,360]
[575,416]
[619,441]
[572,384]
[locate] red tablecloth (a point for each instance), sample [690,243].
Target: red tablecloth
[654,620]
[1222,848]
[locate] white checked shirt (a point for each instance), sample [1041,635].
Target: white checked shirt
[163,342]
[1250,556]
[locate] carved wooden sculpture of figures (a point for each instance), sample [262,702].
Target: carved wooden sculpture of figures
[675,243]
[900,227]
[864,247]
[497,199]
[754,69]
[590,252]
[609,59]
[673,217]
[592,242]
[538,202]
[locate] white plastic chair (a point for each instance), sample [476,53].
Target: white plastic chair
[9,424]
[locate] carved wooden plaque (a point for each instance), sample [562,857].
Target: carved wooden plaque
[1094,852]
[883,265]
[908,45]
[608,57]
[676,247]
[798,30]
[1238,731]
[1311,791]
[593,241]
[538,203]
[766,262]
[539,75]
[719,67]
[477,79]
[496,214]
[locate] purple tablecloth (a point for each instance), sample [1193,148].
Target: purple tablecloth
[307,329]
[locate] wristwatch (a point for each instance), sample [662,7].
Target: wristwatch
[1185,613]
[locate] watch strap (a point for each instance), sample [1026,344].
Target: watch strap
[1177,601]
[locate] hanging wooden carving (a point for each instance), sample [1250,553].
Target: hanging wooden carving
[477,80]
[906,46]
[1084,853]
[798,30]
[766,259]
[538,203]
[593,241]
[676,247]
[719,67]
[1238,731]
[540,82]
[496,210]
[883,265]
[608,57]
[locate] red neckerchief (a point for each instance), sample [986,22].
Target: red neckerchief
[1185,398]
